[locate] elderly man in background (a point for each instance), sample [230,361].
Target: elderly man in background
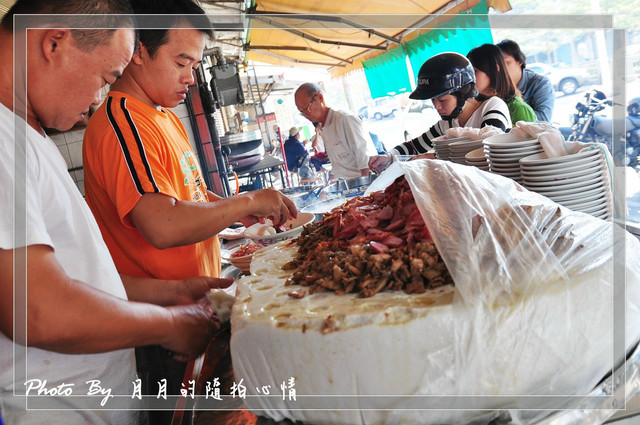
[347,142]
[81,324]
[537,90]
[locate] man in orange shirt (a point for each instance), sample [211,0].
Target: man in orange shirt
[142,180]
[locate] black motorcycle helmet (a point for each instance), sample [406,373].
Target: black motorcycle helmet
[633,107]
[446,73]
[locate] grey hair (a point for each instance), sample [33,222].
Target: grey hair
[98,14]
[309,88]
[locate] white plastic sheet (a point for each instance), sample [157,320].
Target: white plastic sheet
[532,314]
[501,244]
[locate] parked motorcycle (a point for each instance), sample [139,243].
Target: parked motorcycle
[587,126]
[633,133]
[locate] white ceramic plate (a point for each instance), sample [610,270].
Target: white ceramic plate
[543,159]
[513,147]
[508,140]
[576,182]
[504,162]
[507,174]
[560,176]
[494,167]
[465,146]
[476,154]
[582,204]
[557,193]
[445,140]
[565,168]
[598,213]
[603,216]
[462,151]
[588,195]
[584,162]
[532,150]
[519,153]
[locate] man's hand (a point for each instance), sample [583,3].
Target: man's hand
[250,220]
[379,163]
[189,291]
[193,328]
[272,204]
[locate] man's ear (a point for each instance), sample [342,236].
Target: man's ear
[53,41]
[139,53]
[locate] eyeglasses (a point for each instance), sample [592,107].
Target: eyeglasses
[307,109]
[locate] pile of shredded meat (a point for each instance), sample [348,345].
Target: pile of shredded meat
[369,244]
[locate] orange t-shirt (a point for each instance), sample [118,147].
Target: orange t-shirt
[131,149]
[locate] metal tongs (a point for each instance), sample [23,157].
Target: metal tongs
[315,192]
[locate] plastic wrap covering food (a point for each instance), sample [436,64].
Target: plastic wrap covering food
[531,314]
[504,246]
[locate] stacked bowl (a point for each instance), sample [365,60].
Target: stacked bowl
[579,181]
[504,151]
[441,145]
[477,158]
[458,150]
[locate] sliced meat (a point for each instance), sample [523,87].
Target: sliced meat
[369,244]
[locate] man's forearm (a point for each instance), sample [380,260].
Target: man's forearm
[149,290]
[69,316]
[166,222]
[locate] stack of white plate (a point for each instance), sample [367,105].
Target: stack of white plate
[477,158]
[579,181]
[505,150]
[458,150]
[441,145]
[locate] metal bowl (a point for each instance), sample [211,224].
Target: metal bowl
[356,185]
[303,195]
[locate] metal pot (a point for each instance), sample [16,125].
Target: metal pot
[319,208]
[349,187]
[243,150]
[303,195]
[303,188]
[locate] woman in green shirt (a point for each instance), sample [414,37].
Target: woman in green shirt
[492,79]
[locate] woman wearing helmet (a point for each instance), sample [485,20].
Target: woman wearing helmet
[448,79]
